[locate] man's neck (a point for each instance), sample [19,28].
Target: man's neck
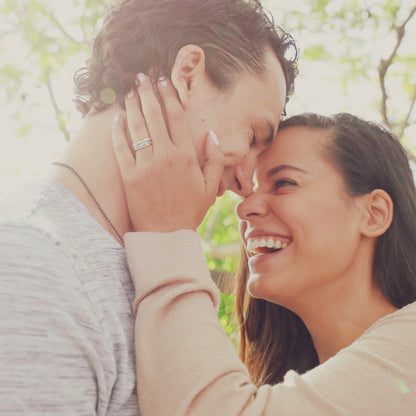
[91,154]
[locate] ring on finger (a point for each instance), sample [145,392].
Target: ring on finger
[142,143]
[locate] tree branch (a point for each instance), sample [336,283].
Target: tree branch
[53,18]
[386,63]
[58,113]
[411,14]
[409,113]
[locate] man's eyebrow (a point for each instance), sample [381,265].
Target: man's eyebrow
[279,168]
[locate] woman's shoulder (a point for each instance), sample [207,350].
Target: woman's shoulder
[373,375]
[390,339]
[405,318]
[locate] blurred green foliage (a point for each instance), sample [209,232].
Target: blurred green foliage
[220,228]
[226,315]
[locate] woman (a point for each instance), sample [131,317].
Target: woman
[364,164]
[330,233]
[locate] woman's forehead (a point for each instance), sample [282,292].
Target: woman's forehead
[295,143]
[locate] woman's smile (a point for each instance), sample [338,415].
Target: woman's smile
[264,247]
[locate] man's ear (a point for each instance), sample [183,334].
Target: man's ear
[188,69]
[378,213]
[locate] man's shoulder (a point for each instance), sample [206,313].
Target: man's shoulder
[32,241]
[25,223]
[46,212]
[40,275]
[31,257]
[33,203]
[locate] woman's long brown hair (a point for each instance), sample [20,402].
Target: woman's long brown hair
[273,340]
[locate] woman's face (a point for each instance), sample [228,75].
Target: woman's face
[299,226]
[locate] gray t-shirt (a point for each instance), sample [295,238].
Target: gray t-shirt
[66,331]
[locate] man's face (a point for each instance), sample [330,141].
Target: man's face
[245,120]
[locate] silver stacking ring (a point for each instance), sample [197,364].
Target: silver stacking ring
[142,143]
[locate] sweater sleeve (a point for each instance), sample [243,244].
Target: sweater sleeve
[187,366]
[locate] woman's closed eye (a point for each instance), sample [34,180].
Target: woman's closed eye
[283,183]
[253,142]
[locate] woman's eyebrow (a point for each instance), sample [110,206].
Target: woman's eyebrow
[279,168]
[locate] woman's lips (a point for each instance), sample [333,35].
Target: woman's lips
[257,258]
[262,247]
[266,243]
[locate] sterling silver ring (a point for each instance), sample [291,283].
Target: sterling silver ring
[142,143]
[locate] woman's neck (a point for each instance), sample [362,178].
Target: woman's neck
[335,325]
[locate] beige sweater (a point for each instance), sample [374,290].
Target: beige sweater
[187,366]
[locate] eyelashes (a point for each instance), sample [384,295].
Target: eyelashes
[283,183]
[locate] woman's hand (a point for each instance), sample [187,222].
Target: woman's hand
[166,189]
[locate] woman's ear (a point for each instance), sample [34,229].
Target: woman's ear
[378,213]
[187,71]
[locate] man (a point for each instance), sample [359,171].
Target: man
[66,337]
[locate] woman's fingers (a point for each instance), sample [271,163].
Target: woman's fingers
[152,112]
[214,166]
[175,114]
[137,125]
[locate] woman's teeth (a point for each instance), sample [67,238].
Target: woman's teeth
[260,244]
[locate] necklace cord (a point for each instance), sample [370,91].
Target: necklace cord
[70,168]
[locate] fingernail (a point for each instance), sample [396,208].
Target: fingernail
[130,94]
[141,78]
[163,81]
[214,137]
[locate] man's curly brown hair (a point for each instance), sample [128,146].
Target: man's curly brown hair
[146,35]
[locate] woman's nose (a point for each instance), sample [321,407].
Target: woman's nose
[251,206]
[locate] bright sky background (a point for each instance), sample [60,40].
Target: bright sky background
[317,89]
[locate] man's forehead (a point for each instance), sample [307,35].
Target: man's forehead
[274,75]
[274,99]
